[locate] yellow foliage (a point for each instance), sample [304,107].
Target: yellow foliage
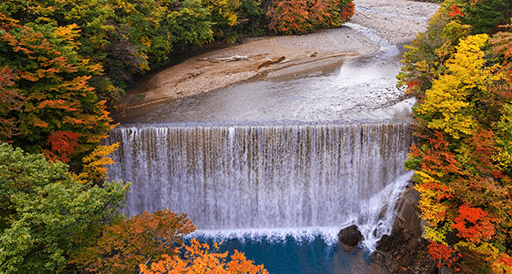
[94,164]
[437,235]
[446,103]
[232,18]
[68,33]
[503,158]
[494,257]
[432,211]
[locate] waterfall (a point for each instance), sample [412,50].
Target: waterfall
[227,177]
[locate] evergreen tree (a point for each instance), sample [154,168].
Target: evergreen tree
[487,15]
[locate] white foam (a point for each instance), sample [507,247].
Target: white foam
[274,235]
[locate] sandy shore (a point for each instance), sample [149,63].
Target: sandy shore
[395,21]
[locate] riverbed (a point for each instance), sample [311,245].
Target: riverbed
[331,58]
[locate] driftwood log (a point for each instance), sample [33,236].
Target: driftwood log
[236,57]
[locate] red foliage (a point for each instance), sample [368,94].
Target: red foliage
[473,224]
[300,16]
[439,157]
[507,261]
[443,254]
[63,144]
[455,11]
[348,11]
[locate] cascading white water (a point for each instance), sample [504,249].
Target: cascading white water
[228,177]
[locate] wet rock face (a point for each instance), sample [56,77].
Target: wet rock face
[350,236]
[404,250]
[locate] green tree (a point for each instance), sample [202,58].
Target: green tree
[190,24]
[42,208]
[485,16]
[223,15]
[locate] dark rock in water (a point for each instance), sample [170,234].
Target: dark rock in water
[350,236]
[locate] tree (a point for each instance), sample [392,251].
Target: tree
[485,16]
[121,246]
[423,62]
[301,16]
[61,114]
[502,43]
[10,100]
[223,14]
[446,106]
[199,259]
[190,24]
[462,163]
[42,208]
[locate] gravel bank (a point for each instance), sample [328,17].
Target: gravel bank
[395,21]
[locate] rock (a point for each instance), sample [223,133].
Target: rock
[271,62]
[350,236]
[404,250]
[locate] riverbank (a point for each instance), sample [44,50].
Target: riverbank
[395,21]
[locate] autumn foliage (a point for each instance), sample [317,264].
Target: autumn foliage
[300,16]
[10,100]
[61,114]
[463,157]
[198,258]
[125,244]
[155,239]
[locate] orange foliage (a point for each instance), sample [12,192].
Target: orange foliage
[60,115]
[455,11]
[301,16]
[124,245]
[199,259]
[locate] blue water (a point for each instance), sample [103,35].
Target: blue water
[298,252]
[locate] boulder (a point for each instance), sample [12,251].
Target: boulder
[350,236]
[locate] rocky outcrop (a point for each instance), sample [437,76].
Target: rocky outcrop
[404,250]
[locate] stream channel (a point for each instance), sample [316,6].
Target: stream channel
[276,168]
